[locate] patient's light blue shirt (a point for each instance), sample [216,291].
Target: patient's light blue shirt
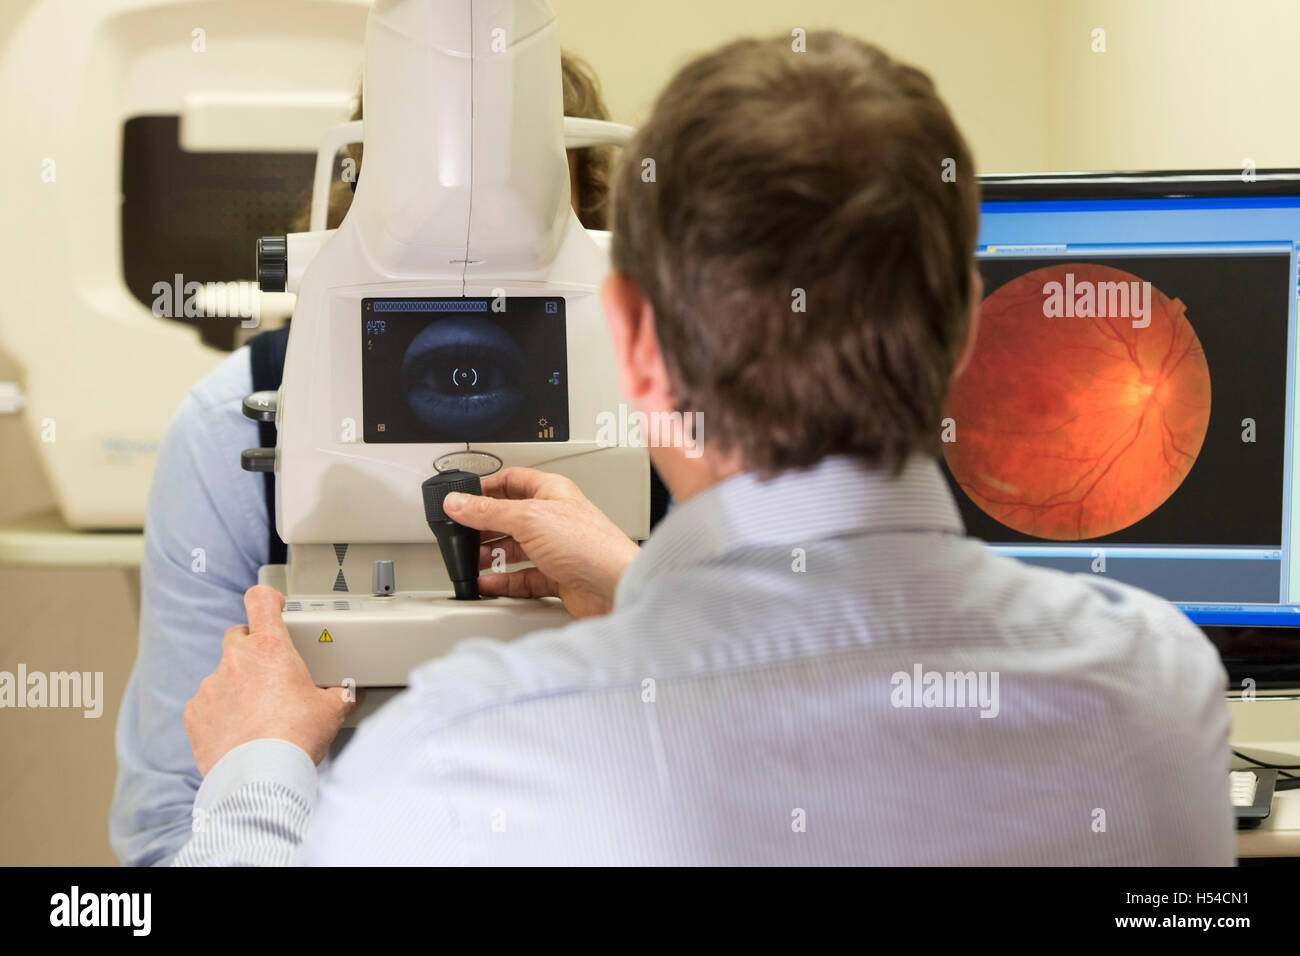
[817,669]
[206,535]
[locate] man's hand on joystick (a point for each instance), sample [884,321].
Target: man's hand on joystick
[457,542]
[578,553]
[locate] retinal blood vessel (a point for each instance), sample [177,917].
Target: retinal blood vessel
[1074,423]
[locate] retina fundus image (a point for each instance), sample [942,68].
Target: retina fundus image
[1081,409]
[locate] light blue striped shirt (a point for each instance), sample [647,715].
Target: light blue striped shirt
[748,702]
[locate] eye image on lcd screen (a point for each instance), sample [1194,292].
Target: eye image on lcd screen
[452,370]
[1085,402]
[463,372]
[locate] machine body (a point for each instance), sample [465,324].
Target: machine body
[450,322]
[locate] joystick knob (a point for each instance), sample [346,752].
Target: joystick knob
[458,544]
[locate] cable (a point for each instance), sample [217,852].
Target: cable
[1268,766]
[1280,767]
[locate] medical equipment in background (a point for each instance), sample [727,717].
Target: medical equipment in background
[96,96]
[450,325]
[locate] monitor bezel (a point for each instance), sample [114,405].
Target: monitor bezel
[1167,184]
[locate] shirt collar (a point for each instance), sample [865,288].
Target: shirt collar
[840,495]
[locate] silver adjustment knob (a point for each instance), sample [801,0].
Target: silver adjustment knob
[382,581]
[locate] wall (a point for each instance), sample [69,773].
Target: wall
[1182,84]
[989,58]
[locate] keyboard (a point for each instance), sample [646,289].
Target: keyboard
[1243,784]
[1252,795]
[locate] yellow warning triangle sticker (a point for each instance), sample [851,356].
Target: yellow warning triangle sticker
[325,637]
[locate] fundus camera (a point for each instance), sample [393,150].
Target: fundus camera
[450,326]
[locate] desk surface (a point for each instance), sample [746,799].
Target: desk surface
[1268,729]
[46,539]
[1279,835]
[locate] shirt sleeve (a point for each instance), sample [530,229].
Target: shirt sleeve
[380,803]
[253,807]
[205,534]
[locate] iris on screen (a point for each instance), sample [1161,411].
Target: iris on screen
[464,374]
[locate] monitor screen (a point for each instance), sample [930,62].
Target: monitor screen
[464,369]
[1127,408]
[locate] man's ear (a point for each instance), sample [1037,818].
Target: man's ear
[641,370]
[972,322]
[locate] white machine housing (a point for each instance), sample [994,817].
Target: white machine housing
[100,375]
[463,192]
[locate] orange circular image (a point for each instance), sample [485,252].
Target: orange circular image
[1084,404]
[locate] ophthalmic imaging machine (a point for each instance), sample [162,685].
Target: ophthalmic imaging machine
[449,327]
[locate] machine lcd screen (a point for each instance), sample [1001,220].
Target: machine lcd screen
[464,370]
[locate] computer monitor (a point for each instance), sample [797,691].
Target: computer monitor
[1128,408]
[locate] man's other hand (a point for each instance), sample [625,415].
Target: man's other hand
[262,689]
[578,553]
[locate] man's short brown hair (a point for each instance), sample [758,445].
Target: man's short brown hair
[835,175]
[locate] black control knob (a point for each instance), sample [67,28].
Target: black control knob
[260,406]
[458,544]
[272,263]
[257,459]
